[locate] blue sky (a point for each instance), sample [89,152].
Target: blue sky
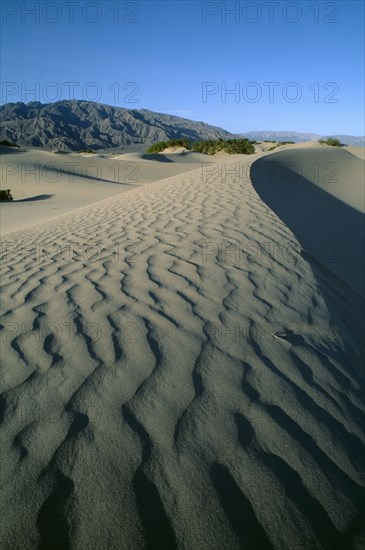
[292,65]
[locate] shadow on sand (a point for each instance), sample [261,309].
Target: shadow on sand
[35,198]
[332,236]
[158,156]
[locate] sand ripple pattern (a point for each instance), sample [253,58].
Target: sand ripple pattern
[171,378]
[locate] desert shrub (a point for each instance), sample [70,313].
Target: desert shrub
[162,145]
[239,146]
[5,195]
[334,142]
[179,143]
[157,147]
[208,147]
[86,151]
[8,143]
[231,146]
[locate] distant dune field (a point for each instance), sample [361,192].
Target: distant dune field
[46,184]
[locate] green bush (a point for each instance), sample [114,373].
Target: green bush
[5,195]
[179,143]
[162,145]
[334,142]
[208,147]
[86,151]
[230,146]
[157,147]
[8,143]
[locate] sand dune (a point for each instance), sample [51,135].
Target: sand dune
[327,186]
[173,376]
[67,182]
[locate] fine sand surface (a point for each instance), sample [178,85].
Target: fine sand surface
[179,371]
[47,184]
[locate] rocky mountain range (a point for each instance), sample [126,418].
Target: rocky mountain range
[76,124]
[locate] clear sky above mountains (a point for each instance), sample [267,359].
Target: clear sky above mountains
[240,65]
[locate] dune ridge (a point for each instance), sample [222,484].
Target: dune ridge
[173,378]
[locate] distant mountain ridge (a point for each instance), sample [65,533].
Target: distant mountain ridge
[77,124]
[299,137]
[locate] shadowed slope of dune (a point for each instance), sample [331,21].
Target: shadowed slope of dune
[319,194]
[168,381]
